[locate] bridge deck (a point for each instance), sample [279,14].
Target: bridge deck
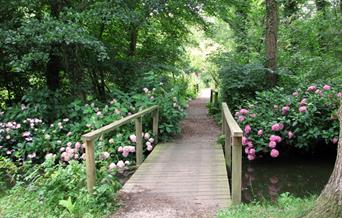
[191,168]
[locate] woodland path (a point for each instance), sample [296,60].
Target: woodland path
[183,178]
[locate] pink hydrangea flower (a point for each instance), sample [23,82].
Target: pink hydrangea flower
[151,140]
[274,153]
[312,88]
[244,140]
[78,145]
[147,136]
[326,87]
[290,134]
[339,94]
[246,150]
[303,102]
[111,141]
[250,144]
[120,164]
[253,115]
[260,132]
[303,109]
[243,111]
[248,129]
[251,151]
[50,156]
[295,93]
[149,147]
[111,166]
[125,153]
[241,118]
[131,149]
[104,155]
[133,138]
[120,149]
[275,138]
[319,92]
[285,110]
[272,144]
[277,127]
[335,140]
[251,157]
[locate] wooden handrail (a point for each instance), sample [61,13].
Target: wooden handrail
[89,140]
[233,151]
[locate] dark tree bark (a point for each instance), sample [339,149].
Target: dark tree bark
[133,38]
[55,63]
[329,203]
[271,40]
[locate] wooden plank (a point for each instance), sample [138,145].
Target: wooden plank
[235,129]
[110,127]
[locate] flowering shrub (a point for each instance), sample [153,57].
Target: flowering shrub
[26,137]
[276,121]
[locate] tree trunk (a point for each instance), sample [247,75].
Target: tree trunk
[55,63]
[271,40]
[133,38]
[329,203]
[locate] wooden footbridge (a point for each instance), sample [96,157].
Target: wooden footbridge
[192,167]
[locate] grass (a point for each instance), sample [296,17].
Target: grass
[286,206]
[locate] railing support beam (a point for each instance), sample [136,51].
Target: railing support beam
[90,164]
[236,170]
[139,142]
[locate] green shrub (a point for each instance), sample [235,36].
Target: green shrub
[277,121]
[240,82]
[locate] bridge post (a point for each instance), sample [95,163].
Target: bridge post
[156,125]
[139,142]
[90,165]
[236,170]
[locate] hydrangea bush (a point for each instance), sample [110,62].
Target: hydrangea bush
[275,121]
[28,138]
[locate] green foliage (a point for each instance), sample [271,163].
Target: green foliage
[240,82]
[60,191]
[301,119]
[286,206]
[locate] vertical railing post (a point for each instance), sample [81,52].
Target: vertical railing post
[156,125]
[228,147]
[236,170]
[211,96]
[139,142]
[90,164]
[215,98]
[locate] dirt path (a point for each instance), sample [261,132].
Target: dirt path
[181,179]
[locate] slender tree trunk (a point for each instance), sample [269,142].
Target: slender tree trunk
[329,203]
[271,40]
[133,36]
[55,63]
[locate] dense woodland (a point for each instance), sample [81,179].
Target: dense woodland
[69,67]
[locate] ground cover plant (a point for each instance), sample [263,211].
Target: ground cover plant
[286,206]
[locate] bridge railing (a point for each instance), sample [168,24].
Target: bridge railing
[90,138]
[233,151]
[213,96]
